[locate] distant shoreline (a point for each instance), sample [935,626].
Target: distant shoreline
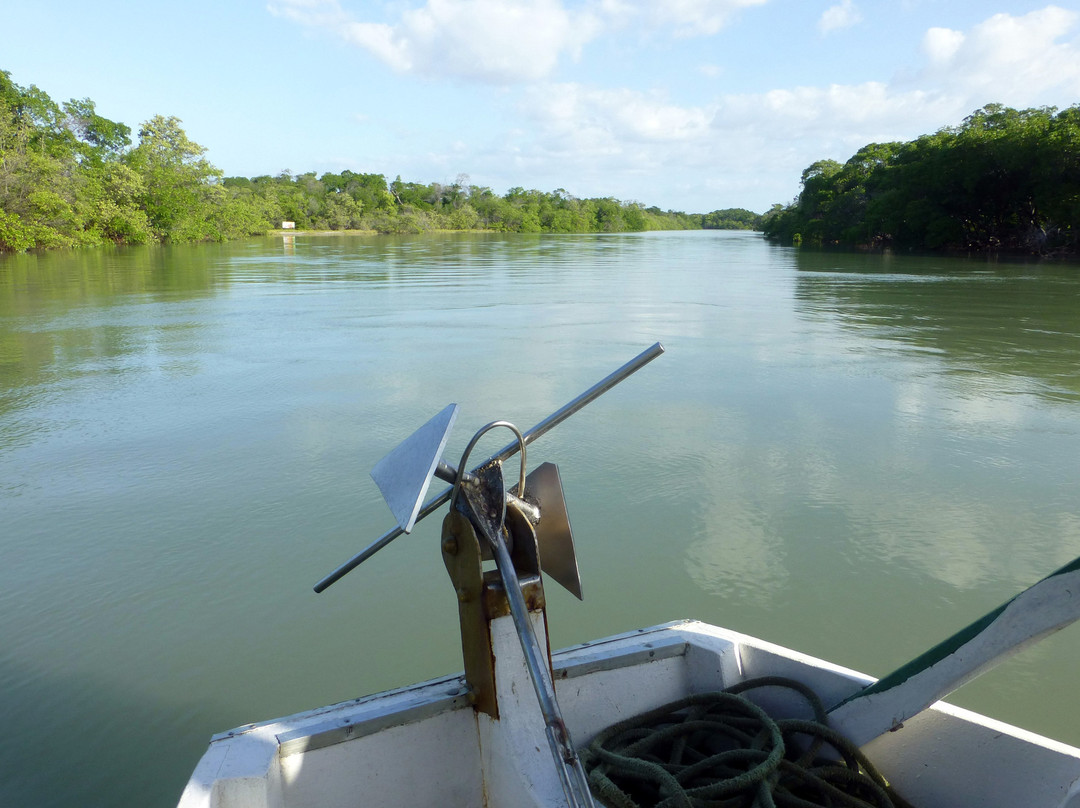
[280,232]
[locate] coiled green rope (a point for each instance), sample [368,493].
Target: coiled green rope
[720,750]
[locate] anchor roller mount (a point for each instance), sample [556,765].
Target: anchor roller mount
[525,530]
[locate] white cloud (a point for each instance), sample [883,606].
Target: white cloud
[842,15]
[941,44]
[591,140]
[584,114]
[571,110]
[379,40]
[502,41]
[1013,60]
[323,13]
[496,41]
[859,111]
[699,17]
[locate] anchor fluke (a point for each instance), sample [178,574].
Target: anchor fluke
[403,475]
[554,537]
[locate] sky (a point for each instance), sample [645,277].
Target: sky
[691,105]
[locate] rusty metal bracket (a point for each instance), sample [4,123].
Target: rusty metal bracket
[481,597]
[461,555]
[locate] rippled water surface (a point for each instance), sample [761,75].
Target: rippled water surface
[851,455]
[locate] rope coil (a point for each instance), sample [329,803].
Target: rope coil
[720,750]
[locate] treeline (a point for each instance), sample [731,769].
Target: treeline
[70,177]
[1005,180]
[732,219]
[351,201]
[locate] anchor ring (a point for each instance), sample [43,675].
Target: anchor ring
[468,449]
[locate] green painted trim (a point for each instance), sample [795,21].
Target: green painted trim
[948,646]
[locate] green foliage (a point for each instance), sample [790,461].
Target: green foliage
[732,219]
[70,177]
[1004,180]
[61,182]
[15,235]
[112,210]
[349,201]
[178,182]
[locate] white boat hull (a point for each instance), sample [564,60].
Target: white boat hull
[425,745]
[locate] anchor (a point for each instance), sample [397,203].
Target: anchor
[526,530]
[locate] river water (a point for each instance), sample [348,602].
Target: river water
[851,455]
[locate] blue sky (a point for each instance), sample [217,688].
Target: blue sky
[691,105]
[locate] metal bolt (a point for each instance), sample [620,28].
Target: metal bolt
[450,545]
[463,595]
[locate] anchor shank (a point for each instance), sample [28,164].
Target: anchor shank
[447,473]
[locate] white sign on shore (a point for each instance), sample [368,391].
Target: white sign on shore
[288,225]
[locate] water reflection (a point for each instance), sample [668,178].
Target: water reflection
[935,470]
[95,318]
[1015,321]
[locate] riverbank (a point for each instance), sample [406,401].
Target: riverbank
[288,233]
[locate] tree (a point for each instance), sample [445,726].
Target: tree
[34,197]
[177,179]
[100,138]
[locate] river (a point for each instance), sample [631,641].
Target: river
[851,455]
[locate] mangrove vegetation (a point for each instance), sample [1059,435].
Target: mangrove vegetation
[1005,180]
